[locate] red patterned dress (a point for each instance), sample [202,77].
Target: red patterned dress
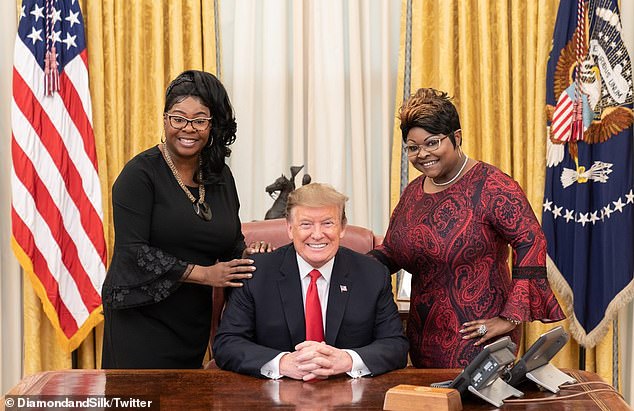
[455,245]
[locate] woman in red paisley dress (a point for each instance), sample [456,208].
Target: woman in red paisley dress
[451,230]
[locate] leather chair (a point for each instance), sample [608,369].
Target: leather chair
[356,238]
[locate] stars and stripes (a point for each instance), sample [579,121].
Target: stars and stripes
[57,228]
[561,127]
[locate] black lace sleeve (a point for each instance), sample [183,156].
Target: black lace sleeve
[139,274]
[162,273]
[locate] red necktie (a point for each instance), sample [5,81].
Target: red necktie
[314,323]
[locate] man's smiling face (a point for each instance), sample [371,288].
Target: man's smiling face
[316,232]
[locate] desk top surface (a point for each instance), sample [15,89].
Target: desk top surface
[217,389]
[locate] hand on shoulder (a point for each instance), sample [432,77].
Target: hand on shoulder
[223,273]
[257,247]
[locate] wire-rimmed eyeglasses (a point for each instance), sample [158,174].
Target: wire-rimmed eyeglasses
[180,122]
[431,144]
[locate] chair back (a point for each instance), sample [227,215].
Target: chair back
[359,239]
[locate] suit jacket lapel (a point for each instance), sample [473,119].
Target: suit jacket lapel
[290,289]
[340,284]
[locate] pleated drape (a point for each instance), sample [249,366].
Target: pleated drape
[491,56]
[312,85]
[134,49]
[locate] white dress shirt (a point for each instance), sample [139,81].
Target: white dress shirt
[272,368]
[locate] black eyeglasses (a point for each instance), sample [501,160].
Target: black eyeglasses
[180,122]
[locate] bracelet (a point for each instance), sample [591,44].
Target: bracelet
[512,321]
[188,271]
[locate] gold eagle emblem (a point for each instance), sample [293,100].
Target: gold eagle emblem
[608,121]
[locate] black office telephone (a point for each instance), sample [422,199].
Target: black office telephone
[535,364]
[482,376]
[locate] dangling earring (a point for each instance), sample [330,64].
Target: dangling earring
[210,142]
[163,136]
[459,145]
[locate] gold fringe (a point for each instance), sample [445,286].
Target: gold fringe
[587,340]
[68,344]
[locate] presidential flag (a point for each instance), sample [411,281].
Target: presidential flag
[57,229]
[589,198]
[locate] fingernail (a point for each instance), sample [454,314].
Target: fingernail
[249,275]
[251,261]
[460,331]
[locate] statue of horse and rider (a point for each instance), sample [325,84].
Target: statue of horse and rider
[280,189]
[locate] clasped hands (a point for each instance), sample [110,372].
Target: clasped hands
[315,360]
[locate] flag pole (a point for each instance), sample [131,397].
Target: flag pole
[582,358]
[615,354]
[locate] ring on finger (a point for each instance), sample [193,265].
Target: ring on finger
[482,330]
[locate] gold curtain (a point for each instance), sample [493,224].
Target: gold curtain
[491,56]
[134,49]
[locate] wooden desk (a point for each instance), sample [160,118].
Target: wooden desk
[217,389]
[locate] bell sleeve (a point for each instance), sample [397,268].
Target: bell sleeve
[139,274]
[530,296]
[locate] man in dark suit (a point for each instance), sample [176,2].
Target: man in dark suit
[312,309]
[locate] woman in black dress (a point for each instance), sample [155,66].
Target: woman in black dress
[177,234]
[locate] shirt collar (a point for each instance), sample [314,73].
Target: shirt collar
[305,268]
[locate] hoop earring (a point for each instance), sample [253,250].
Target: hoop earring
[210,142]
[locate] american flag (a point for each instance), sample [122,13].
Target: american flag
[57,228]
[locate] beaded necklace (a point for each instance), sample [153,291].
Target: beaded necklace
[201,208]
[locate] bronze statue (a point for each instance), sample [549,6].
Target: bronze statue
[280,189]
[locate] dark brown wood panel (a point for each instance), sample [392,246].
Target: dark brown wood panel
[217,389]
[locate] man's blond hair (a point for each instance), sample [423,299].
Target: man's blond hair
[316,195]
